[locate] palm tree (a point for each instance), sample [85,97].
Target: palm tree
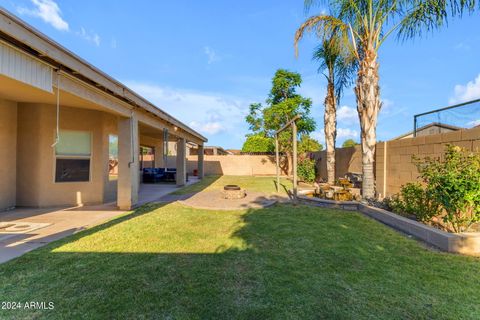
[338,68]
[364,26]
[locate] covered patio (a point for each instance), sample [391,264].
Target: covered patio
[26,229]
[72,136]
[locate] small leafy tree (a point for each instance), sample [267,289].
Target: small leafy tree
[308,144]
[282,105]
[349,143]
[454,182]
[258,143]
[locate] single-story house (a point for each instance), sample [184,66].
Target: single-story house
[210,151]
[71,134]
[429,129]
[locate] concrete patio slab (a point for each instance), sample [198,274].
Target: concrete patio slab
[153,192]
[56,223]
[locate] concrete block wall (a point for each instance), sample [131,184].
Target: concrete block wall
[346,160]
[235,165]
[396,168]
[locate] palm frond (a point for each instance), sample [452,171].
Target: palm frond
[340,64]
[345,71]
[320,55]
[323,26]
[425,16]
[428,15]
[309,4]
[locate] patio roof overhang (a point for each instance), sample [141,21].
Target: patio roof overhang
[27,39]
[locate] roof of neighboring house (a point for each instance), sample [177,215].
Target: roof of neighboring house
[218,148]
[433,124]
[234,151]
[37,44]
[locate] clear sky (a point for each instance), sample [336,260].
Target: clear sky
[204,62]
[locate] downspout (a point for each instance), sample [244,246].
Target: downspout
[132,140]
[57,130]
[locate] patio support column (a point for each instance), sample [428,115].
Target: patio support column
[201,172]
[159,154]
[181,176]
[128,163]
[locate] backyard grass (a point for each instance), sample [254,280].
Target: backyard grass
[257,184]
[284,262]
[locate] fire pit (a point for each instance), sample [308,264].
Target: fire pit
[232,191]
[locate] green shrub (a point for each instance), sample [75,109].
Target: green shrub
[306,170]
[349,143]
[308,144]
[258,143]
[394,203]
[454,182]
[415,200]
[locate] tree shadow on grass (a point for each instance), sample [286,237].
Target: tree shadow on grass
[294,262]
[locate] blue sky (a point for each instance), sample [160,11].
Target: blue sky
[204,62]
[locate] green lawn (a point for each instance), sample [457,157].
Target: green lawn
[258,184]
[283,262]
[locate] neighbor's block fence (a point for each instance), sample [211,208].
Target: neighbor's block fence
[236,165]
[394,165]
[346,160]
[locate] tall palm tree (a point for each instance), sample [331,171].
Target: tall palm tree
[365,25]
[338,68]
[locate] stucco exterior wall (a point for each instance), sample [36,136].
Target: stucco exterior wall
[36,158]
[8,142]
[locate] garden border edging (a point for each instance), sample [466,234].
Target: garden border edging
[463,243]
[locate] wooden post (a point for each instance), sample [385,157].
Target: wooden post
[385,158]
[277,161]
[295,178]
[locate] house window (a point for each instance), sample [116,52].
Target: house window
[112,157]
[73,156]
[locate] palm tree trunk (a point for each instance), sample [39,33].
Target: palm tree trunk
[368,106]
[330,122]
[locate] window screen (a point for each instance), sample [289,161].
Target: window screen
[74,143]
